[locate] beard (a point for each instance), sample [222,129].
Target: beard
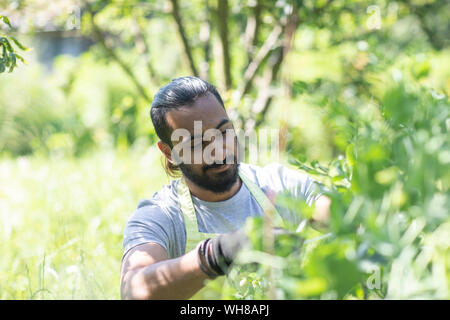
[219,182]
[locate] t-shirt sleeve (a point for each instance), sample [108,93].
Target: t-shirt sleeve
[297,184]
[148,223]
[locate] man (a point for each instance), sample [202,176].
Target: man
[171,242]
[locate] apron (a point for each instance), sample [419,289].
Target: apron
[194,236]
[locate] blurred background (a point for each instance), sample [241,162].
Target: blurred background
[360,82]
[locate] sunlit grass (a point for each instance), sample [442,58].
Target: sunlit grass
[61,222]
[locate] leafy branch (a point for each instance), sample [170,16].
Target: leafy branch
[8,57]
[99,35]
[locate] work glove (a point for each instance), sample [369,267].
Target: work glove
[217,254]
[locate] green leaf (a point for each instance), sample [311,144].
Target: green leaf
[329,262]
[21,46]
[21,58]
[12,57]
[6,20]
[4,53]
[7,44]
[421,69]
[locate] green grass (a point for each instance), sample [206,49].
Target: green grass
[61,222]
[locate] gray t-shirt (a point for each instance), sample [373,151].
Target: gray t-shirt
[160,219]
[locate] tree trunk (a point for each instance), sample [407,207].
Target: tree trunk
[222,14]
[180,28]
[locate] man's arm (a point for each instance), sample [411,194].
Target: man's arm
[147,273]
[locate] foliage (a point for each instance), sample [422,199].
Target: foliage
[9,56]
[70,112]
[389,216]
[337,45]
[362,88]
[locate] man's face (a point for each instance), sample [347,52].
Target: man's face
[210,141]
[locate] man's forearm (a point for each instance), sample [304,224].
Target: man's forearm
[178,278]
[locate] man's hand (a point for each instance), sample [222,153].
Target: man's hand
[224,249]
[320,219]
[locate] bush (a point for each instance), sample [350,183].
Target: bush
[80,106]
[389,216]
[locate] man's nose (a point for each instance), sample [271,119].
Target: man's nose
[219,150]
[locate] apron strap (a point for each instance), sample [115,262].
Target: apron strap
[264,202]
[193,235]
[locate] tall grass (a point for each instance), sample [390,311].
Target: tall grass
[61,222]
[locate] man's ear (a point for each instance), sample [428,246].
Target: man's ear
[166,150]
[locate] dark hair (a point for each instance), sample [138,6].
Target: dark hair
[180,92]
